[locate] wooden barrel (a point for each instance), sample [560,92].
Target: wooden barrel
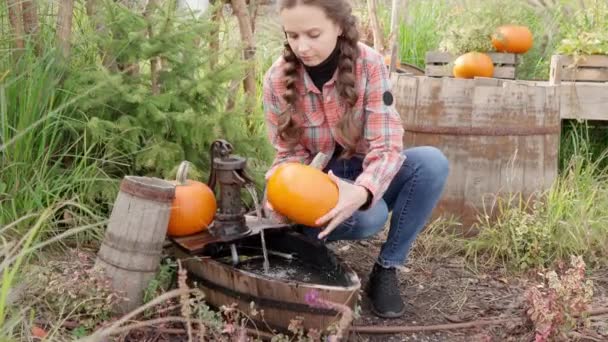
[281,300]
[501,137]
[131,250]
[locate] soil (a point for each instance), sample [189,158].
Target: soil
[442,290]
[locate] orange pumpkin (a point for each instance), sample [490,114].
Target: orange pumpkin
[512,39]
[473,64]
[194,205]
[302,193]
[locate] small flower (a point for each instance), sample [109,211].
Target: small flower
[312,297]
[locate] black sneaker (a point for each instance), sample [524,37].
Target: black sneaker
[383,291]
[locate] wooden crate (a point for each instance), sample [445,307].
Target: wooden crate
[439,64]
[592,68]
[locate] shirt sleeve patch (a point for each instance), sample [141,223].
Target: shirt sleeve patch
[387,98]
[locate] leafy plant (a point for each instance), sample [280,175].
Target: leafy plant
[152,119]
[557,306]
[586,33]
[43,159]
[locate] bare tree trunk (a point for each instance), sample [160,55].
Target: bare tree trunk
[240,10]
[214,40]
[372,10]
[253,9]
[15,16]
[65,15]
[155,62]
[108,61]
[30,23]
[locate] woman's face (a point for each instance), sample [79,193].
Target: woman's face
[310,33]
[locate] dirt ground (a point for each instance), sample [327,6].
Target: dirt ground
[443,290]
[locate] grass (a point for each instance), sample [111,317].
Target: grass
[571,218]
[418,34]
[43,159]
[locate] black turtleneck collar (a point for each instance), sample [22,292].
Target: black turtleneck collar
[325,70]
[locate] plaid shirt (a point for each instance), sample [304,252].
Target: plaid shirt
[319,113]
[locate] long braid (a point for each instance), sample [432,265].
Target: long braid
[287,128]
[349,128]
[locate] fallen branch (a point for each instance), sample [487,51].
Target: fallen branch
[366,329]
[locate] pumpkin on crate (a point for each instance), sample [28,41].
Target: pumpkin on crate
[194,206]
[473,64]
[512,39]
[302,193]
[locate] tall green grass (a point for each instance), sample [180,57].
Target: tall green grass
[43,157]
[418,32]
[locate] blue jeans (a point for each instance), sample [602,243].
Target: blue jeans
[411,197]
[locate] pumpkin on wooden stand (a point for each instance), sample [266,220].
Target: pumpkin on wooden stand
[193,207]
[512,39]
[473,64]
[302,193]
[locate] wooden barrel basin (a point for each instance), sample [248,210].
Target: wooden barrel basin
[501,138]
[282,293]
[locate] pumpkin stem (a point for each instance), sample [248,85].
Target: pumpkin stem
[182,173]
[318,160]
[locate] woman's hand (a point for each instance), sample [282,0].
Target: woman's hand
[350,198]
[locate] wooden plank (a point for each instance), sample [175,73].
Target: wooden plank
[534,146]
[511,157]
[590,61]
[555,71]
[552,141]
[488,81]
[506,72]
[482,177]
[436,57]
[583,101]
[585,74]
[586,68]
[404,91]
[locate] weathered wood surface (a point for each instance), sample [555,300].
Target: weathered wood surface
[281,301]
[439,64]
[592,68]
[131,250]
[580,100]
[500,136]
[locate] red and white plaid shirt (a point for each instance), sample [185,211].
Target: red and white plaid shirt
[319,113]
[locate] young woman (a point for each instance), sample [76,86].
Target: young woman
[330,93]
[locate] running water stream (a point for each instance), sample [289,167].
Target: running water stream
[258,211]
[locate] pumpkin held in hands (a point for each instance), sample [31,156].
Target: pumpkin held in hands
[193,207]
[512,39]
[473,64]
[302,193]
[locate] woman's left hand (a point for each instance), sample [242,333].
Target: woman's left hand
[350,198]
